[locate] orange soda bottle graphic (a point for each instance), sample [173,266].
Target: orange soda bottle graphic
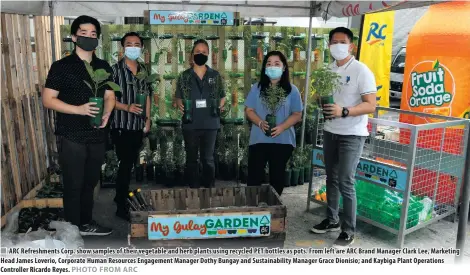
[437,81]
[437,78]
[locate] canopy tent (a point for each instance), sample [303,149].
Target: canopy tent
[134,8]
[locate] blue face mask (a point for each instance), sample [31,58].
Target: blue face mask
[274,72]
[133,52]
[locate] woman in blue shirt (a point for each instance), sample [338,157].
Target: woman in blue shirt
[277,148]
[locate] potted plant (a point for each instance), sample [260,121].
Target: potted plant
[288,173]
[179,157]
[184,80]
[273,99]
[324,83]
[296,165]
[308,149]
[149,79]
[215,92]
[215,51]
[99,79]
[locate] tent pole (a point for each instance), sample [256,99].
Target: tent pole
[464,208]
[307,77]
[51,16]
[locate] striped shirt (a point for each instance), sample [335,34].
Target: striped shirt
[130,85]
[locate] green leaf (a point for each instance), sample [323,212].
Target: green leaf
[114,86]
[141,75]
[152,78]
[101,75]
[89,69]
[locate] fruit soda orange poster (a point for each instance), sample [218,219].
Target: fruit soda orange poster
[437,72]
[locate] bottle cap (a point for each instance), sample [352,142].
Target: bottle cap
[131,194]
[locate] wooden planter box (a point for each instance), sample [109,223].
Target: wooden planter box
[259,211]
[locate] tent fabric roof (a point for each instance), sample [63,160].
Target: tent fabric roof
[135,8]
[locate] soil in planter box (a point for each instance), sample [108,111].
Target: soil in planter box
[51,190]
[36,218]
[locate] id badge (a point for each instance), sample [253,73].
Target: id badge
[201,103]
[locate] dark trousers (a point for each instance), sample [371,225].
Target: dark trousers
[342,154]
[81,167]
[202,141]
[276,155]
[127,144]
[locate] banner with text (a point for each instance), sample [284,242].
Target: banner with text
[376,51]
[227,225]
[191,18]
[371,171]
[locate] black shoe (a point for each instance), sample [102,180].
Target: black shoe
[94,229]
[325,226]
[344,240]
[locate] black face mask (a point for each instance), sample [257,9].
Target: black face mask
[87,43]
[200,59]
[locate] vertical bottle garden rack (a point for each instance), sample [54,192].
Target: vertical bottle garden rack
[168,53]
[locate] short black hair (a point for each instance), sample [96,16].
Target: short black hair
[197,42]
[344,30]
[85,19]
[123,39]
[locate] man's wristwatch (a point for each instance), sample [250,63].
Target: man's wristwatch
[345,112]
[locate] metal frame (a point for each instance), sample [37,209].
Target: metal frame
[411,156]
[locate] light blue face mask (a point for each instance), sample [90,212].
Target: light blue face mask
[274,72]
[133,52]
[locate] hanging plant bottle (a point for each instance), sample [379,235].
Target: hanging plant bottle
[214,58]
[187,115]
[169,57]
[234,98]
[259,54]
[224,54]
[97,120]
[155,99]
[235,55]
[215,110]
[141,99]
[181,57]
[296,54]
[156,58]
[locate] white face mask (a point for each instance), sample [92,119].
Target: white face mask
[339,51]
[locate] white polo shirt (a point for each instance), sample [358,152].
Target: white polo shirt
[356,80]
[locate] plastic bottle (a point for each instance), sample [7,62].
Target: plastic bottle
[436,78]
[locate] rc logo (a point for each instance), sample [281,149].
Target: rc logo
[376,33]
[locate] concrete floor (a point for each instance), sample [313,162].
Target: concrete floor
[440,234]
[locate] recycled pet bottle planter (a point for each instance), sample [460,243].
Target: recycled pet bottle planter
[214,108]
[271,119]
[287,177]
[187,115]
[141,99]
[326,100]
[295,177]
[97,120]
[301,176]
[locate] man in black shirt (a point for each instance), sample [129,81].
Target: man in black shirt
[81,146]
[130,120]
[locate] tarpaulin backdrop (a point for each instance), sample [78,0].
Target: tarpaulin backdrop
[376,50]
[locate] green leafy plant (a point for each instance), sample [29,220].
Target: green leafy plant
[324,82]
[273,98]
[100,79]
[143,75]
